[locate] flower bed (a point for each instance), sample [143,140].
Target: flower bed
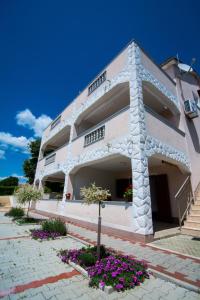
[27,221]
[39,234]
[117,271]
[50,229]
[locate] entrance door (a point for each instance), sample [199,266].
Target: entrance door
[160,199]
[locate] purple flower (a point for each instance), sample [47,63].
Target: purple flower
[119,286]
[101,284]
[114,274]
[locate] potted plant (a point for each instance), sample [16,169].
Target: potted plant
[68,196]
[128,194]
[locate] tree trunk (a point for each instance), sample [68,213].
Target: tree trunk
[99,233]
[28,208]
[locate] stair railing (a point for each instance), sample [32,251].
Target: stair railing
[184,199]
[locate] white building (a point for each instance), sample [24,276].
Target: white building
[127,126]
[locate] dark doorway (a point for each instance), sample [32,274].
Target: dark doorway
[160,199]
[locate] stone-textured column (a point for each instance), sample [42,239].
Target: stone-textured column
[141,208]
[40,184]
[67,187]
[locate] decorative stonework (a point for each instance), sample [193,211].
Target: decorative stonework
[141,207]
[147,76]
[154,146]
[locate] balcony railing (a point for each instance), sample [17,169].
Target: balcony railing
[97,83]
[50,159]
[55,122]
[94,136]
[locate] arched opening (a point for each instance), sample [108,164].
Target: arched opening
[107,106]
[58,141]
[53,185]
[165,178]
[160,105]
[113,173]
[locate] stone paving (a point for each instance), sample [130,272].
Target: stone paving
[181,243]
[32,265]
[170,262]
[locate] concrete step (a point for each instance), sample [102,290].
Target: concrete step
[190,231]
[195,212]
[192,224]
[197,202]
[193,217]
[195,207]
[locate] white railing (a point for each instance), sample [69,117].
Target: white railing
[94,136]
[184,198]
[55,122]
[50,159]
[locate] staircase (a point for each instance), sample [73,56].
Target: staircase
[192,223]
[4,203]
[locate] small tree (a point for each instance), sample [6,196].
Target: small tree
[27,193]
[94,194]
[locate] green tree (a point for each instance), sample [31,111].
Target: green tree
[29,165]
[9,181]
[27,193]
[95,194]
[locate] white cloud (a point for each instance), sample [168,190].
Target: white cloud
[2,154]
[27,119]
[20,177]
[20,142]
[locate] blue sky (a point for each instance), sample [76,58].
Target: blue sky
[50,50]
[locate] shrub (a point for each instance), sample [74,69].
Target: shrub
[84,256]
[7,190]
[87,259]
[15,212]
[28,220]
[54,225]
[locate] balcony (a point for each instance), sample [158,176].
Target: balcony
[158,74]
[50,159]
[163,130]
[56,122]
[54,160]
[113,127]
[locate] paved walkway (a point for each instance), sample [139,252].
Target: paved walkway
[179,266]
[184,244]
[31,270]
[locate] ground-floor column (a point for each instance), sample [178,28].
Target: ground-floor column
[141,207]
[68,189]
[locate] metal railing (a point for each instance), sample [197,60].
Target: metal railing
[184,198]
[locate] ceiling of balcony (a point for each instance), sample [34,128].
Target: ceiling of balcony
[107,105]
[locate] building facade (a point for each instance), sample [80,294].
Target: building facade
[128,126]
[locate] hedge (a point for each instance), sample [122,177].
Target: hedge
[7,190]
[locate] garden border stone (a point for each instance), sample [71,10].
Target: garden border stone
[107,289]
